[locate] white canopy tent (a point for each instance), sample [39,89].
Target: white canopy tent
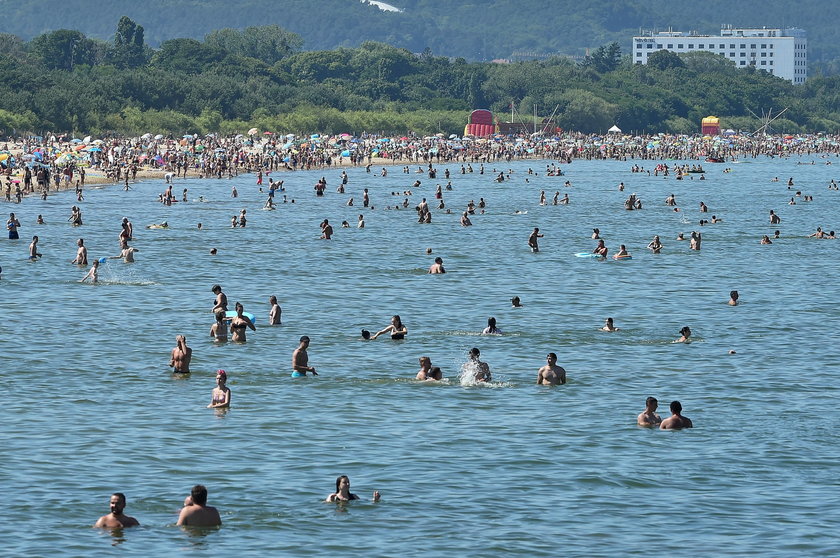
[614,130]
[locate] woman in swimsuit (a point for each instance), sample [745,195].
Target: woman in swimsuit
[342,491]
[491,328]
[396,328]
[239,324]
[685,333]
[218,331]
[221,393]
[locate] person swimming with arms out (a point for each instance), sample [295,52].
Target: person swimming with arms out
[396,328]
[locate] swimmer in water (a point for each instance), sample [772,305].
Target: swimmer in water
[482,369]
[648,417]
[239,324]
[81,253]
[491,328]
[685,333]
[300,359]
[515,302]
[609,326]
[551,374]
[396,328]
[116,519]
[33,249]
[181,356]
[437,267]
[596,234]
[676,421]
[220,396]
[342,491]
[601,249]
[275,313]
[766,240]
[221,299]
[733,298]
[425,372]
[532,240]
[655,245]
[622,253]
[219,330]
[92,274]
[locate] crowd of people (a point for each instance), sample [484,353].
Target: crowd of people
[229,156]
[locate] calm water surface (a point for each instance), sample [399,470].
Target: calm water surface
[90,406]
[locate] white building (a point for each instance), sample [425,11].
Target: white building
[781,52]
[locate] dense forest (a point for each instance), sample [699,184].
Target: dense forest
[232,80]
[472,29]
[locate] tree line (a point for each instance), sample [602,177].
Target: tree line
[233,80]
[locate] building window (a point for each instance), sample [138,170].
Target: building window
[680,45]
[764,55]
[638,55]
[690,45]
[732,55]
[771,70]
[670,46]
[650,45]
[743,63]
[733,46]
[753,45]
[764,62]
[701,45]
[722,46]
[771,62]
[743,54]
[771,55]
[764,46]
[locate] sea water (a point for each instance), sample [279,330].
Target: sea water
[90,406]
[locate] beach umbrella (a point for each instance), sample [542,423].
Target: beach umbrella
[345,153]
[267,133]
[253,132]
[159,137]
[453,136]
[86,140]
[146,136]
[94,149]
[76,140]
[199,148]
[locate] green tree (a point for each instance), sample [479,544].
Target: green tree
[665,60]
[64,49]
[129,46]
[604,59]
[269,43]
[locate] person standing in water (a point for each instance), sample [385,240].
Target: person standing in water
[81,253]
[181,356]
[116,519]
[12,225]
[33,249]
[220,397]
[275,313]
[551,374]
[532,240]
[648,417]
[92,274]
[300,359]
[196,512]
[676,421]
